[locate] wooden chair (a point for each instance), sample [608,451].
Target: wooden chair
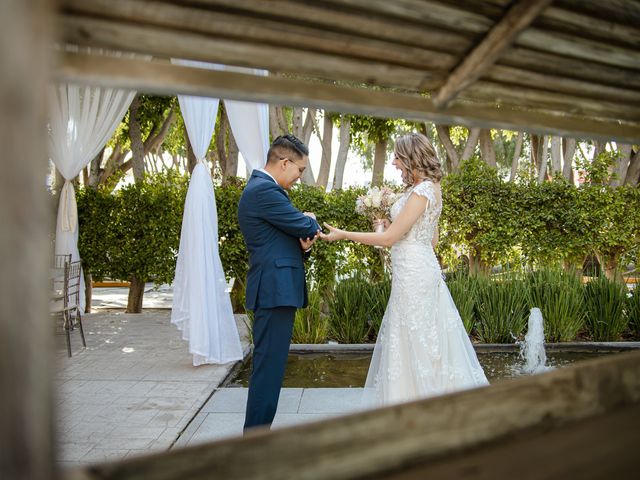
[67,304]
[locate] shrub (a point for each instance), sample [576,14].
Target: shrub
[502,309]
[559,295]
[604,302]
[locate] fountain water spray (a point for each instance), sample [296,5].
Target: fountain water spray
[532,349]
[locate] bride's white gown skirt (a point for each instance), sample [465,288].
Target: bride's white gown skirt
[422,348]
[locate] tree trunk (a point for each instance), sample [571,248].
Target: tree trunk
[191,157]
[274,129]
[470,147]
[379,160]
[568,151]
[88,290]
[298,124]
[94,169]
[221,135]
[622,165]
[325,161]
[487,150]
[542,151]
[343,151]
[452,154]
[556,155]
[309,123]
[598,148]
[232,156]
[283,125]
[27,363]
[633,171]
[137,146]
[136,293]
[156,138]
[516,156]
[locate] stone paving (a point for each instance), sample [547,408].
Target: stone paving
[223,414]
[132,390]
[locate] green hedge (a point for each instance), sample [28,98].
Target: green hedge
[136,231]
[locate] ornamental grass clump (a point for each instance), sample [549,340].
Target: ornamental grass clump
[378,295]
[350,311]
[559,296]
[502,309]
[633,311]
[605,303]
[464,290]
[310,324]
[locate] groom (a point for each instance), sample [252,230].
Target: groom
[278,237]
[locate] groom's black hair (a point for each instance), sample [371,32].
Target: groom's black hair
[283,143]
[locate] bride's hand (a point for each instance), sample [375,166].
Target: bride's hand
[333,235]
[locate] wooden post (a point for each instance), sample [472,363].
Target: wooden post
[25,328]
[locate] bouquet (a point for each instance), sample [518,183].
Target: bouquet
[376,204]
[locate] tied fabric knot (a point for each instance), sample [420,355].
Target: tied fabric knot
[68,208]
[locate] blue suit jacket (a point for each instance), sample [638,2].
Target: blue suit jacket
[271,227]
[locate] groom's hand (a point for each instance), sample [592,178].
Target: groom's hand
[307,243]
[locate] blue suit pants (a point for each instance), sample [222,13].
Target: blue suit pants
[272,329]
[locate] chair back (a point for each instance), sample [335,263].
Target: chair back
[58,272]
[72,284]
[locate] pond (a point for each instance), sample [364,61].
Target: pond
[329,370]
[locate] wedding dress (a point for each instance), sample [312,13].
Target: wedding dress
[422,348]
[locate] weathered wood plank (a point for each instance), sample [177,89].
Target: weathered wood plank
[156,77]
[484,55]
[542,99]
[179,44]
[562,84]
[593,50]
[26,420]
[527,59]
[319,38]
[592,449]
[450,435]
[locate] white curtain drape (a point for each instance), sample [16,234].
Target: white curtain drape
[81,121]
[250,125]
[201,306]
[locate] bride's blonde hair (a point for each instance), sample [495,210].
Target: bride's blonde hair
[417,154]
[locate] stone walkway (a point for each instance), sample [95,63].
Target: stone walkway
[134,390]
[223,415]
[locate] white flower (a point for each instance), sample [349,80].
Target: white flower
[367,202]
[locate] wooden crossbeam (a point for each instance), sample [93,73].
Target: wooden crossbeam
[484,55]
[164,78]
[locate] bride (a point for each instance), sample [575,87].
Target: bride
[422,348]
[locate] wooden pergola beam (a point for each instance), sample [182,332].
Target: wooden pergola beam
[163,78]
[484,55]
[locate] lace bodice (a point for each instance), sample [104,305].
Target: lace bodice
[422,231]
